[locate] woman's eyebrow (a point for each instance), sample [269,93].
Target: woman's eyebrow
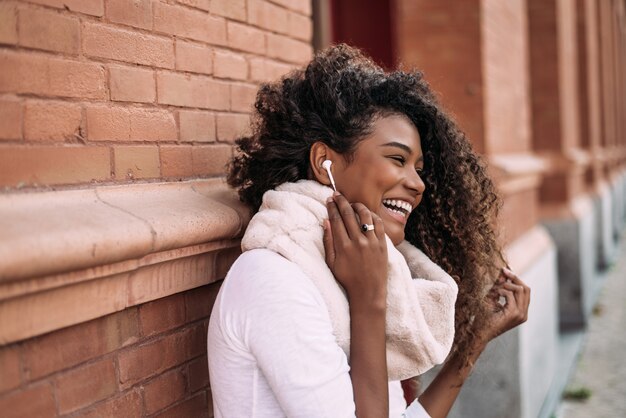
[398,145]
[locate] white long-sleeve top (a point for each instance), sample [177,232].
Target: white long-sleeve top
[271,348]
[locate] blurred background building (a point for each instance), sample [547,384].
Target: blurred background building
[118,116]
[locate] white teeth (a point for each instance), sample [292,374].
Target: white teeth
[399,204]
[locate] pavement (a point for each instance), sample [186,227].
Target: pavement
[597,385]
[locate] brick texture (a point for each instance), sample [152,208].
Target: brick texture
[164,390]
[8,23]
[49,30]
[131,84]
[86,385]
[52,121]
[36,401]
[136,162]
[123,91]
[193,57]
[136,13]
[196,126]
[11,115]
[230,65]
[103,41]
[176,161]
[10,374]
[89,7]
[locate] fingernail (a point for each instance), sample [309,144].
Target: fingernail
[330,199]
[336,193]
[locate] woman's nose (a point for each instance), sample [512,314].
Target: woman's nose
[415,183]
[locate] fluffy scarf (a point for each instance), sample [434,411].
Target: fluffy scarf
[420,295]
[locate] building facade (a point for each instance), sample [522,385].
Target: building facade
[117,118]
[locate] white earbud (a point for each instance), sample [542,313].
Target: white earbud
[326,165]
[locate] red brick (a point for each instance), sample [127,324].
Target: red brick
[288,49]
[194,407]
[8,23]
[11,116]
[74,345]
[90,7]
[162,314]
[51,121]
[86,385]
[127,405]
[139,363]
[136,162]
[176,161]
[302,6]
[198,374]
[107,123]
[53,165]
[232,9]
[188,23]
[300,27]
[37,74]
[231,126]
[10,375]
[163,391]
[152,125]
[267,16]
[242,97]
[125,45]
[192,91]
[264,70]
[132,84]
[199,302]
[196,126]
[230,65]
[210,160]
[49,30]
[224,260]
[246,38]
[196,58]
[198,4]
[36,401]
[136,13]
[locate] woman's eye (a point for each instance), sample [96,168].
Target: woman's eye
[400,160]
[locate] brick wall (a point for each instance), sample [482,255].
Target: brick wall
[99,91]
[145,361]
[121,91]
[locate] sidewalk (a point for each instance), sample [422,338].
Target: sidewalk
[600,371]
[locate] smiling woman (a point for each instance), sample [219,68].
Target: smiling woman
[338,296]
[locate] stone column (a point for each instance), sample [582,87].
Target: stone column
[475,54]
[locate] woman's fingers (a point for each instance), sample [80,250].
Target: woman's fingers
[349,217]
[337,227]
[365,217]
[329,246]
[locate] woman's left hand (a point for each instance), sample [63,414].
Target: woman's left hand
[515,309]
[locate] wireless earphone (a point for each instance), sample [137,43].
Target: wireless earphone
[326,165]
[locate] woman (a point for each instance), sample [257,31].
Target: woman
[409,190]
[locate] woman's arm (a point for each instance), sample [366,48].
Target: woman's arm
[358,259]
[444,389]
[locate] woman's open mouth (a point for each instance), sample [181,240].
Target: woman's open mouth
[398,209]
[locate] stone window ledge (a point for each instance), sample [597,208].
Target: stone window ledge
[71,256]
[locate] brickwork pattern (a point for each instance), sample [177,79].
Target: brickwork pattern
[113,91]
[146,361]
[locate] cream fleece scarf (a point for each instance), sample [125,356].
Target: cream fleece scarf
[420,295]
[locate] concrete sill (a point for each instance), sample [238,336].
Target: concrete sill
[70,256]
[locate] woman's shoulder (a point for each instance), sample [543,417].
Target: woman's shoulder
[263,276]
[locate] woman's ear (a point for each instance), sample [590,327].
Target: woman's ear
[318,154]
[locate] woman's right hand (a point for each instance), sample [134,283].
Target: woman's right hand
[357,259]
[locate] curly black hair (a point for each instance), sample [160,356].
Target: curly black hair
[336,100]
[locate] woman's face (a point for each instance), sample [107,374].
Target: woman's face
[384,173]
